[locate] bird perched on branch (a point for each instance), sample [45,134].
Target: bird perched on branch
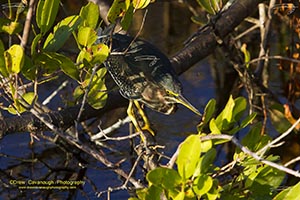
[144,74]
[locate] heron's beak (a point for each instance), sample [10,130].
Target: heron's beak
[180,99]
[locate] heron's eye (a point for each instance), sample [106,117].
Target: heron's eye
[171,93]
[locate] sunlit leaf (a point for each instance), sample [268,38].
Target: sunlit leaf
[246,53]
[3,69]
[100,53]
[227,112]
[180,196]
[189,154]
[97,94]
[290,193]
[87,36]
[214,192]
[46,14]
[202,184]
[206,145]
[240,105]
[213,127]
[211,6]
[84,55]
[14,58]
[164,177]
[18,108]
[116,10]
[11,28]
[61,33]
[127,18]
[140,4]
[90,15]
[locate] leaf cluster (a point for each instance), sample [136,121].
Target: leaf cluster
[196,176]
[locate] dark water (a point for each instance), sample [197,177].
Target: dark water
[171,130]
[46,161]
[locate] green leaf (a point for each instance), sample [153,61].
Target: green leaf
[248,120]
[202,184]
[46,14]
[28,97]
[97,94]
[189,154]
[206,161]
[240,105]
[264,180]
[97,54]
[244,123]
[11,27]
[127,18]
[14,58]
[61,33]
[140,4]
[180,196]
[291,193]
[226,114]
[209,110]
[164,177]
[214,127]
[46,63]
[66,64]
[254,140]
[87,36]
[246,53]
[214,192]
[90,15]
[211,6]
[278,118]
[153,193]
[3,69]
[208,114]
[34,43]
[100,53]
[29,70]
[115,10]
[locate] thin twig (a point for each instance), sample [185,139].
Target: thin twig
[292,161]
[51,96]
[281,136]
[27,24]
[106,138]
[97,154]
[84,99]
[138,33]
[245,150]
[110,129]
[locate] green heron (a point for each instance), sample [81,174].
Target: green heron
[144,74]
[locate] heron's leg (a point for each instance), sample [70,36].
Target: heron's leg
[132,116]
[145,119]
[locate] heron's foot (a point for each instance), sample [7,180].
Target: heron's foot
[147,127]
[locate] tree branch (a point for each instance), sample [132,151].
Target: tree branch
[200,46]
[206,39]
